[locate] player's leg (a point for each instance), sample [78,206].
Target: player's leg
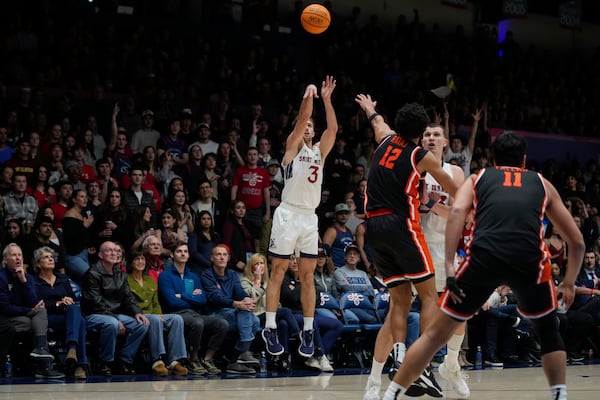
[417,358]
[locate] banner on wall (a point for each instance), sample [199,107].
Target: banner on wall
[455,3]
[515,8]
[569,14]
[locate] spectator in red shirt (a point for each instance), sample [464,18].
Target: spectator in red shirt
[252,184]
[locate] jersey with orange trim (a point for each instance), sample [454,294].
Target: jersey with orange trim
[393,181]
[509,207]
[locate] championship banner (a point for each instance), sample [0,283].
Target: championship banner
[455,3]
[569,15]
[515,8]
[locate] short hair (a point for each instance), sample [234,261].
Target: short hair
[16,174]
[101,161]
[147,239]
[180,243]
[411,120]
[6,249]
[509,149]
[37,255]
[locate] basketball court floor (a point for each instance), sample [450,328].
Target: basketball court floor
[507,384]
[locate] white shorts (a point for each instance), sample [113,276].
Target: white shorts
[438,255]
[294,231]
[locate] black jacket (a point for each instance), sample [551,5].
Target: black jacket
[108,294]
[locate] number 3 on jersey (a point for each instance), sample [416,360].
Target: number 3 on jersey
[389,158]
[314,175]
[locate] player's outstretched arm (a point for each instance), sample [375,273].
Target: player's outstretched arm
[380,127]
[431,164]
[294,141]
[328,137]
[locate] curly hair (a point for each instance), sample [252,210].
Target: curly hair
[411,120]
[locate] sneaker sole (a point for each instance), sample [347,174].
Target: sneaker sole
[273,353]
[42,357]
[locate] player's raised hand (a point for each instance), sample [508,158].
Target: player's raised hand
[366,103]
[311,91]
[327,87]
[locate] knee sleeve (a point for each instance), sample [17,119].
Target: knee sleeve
[547,328]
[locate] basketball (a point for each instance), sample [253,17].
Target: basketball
[315,19]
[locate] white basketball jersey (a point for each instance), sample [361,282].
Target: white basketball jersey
[303,178]
[434,226]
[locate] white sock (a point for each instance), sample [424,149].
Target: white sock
[393,391]
[453,349]
[399,350]
[308,323]
[376,371]
[270,320]
[558,392]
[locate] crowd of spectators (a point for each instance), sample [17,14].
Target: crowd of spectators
[146,137]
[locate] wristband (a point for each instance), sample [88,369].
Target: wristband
[430,203]
[372,116]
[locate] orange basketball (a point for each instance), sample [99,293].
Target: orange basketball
[315,19]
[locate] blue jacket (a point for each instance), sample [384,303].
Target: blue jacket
[170,283]
[221,291]
[16,298]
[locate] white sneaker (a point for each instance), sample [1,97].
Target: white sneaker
[372,390]
[312,362]
[324,364]
[456,379]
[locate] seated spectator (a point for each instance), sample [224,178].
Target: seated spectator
[227,299]
[326,330]
[207,202]
[112,222]
[142,227]
[171,233]
[349,278]
[21,305]
[325,283]
[40,189]
[338,236]
[237,236]
[110,308]
[17,203]
[43,230]
[201,242]
[63,197]
[76,233]
[254,282]
[64,314]
[162,326]
[181,292]
[153,251]
[587,294]
[14,234]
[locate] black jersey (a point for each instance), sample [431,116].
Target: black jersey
[509,207]
[393,182]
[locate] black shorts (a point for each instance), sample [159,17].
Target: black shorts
[399,250]
[480,274]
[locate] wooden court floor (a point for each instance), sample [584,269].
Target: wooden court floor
[507,384]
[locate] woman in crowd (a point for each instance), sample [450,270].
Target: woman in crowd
[150,158]
[112,224]
[142,227]
[254,282]
[40,188]
[145,292]
[178,202]
[87,140]
[201,242]
[171,233]
[14,233]
[64,314]
[76,227]
[209,166]
[237,236]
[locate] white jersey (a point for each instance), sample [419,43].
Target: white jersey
[434,226]
[303,177]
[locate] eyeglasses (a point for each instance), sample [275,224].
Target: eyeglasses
[153,245]
[112,250]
